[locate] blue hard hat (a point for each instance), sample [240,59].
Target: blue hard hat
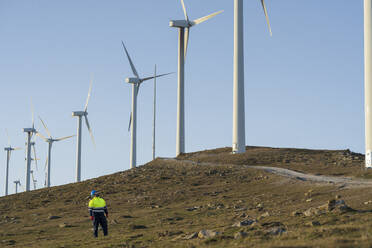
[93,193]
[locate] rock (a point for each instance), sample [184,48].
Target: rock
[264,215]
[338,197]
[296,213]
[312,211]
[368,202]
[136,227]
[64,225]
[206,234]
[53,217]
[244,223]
[240,235]
[309,200]
[276,231]
[191,236]
[313,223]
[8,242]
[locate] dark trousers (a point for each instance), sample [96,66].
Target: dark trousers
[99,219]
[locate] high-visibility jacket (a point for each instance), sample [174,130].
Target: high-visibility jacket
[97,205]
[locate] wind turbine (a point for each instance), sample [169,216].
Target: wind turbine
[368,80]
[8,150]
[238,141]
[80,115]
[50,140]
[184,31]
[16,185]
[136,83]
[30,132]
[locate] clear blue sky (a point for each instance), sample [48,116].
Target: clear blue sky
[304,85]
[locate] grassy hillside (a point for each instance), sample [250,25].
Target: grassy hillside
[166,203]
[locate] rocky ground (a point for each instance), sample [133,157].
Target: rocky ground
[206,199]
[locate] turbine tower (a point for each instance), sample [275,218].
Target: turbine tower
[136,83]
[33,179]
[80,115]
[184,31]
[8,150]
[238,142]
[368,80]
[30,132]
[50,140]
[16,185]
[154,119]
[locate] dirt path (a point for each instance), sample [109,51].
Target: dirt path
[343,181]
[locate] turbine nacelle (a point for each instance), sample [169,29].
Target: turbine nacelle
[180,24]
[29,130]
[133,80]
[79,113]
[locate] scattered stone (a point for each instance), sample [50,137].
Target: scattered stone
[206,234]
[264,215]
[64,225]
[193,208]
[312,211]
[296,213]
[309,200]
[53,217]
[240,235]
[8,242]
[338,197]
[244,223]
[191,236]
[136,227]
[276,231]
[313,223]
[136,236]
[243,215]
[368,202]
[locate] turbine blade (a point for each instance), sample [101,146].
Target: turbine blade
[184,10]
[34,150]
[267,16]
[42,136]
[137,88]
[161,75]
[32,113]
[46,163]
[7,135]
[10,154]
[187,35]
[46,129]
[65,138]
[130,121]
[89,92]
[205,18]
[17,148]
[90,130]
[130,61]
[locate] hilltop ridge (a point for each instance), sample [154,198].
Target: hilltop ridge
[168,202]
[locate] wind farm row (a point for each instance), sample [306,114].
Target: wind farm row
[238,113]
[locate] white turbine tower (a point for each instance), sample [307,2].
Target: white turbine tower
[154,119]
[238,142]
[184,31]
[136,83]
[8,150]
[16,185]
[80,115]
[30,132]
[368,80]
[50,140]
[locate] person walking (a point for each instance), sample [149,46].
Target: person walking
[98,213]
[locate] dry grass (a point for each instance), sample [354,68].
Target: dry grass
[150,206]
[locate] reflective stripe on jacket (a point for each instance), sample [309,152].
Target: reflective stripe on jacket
[97,205]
